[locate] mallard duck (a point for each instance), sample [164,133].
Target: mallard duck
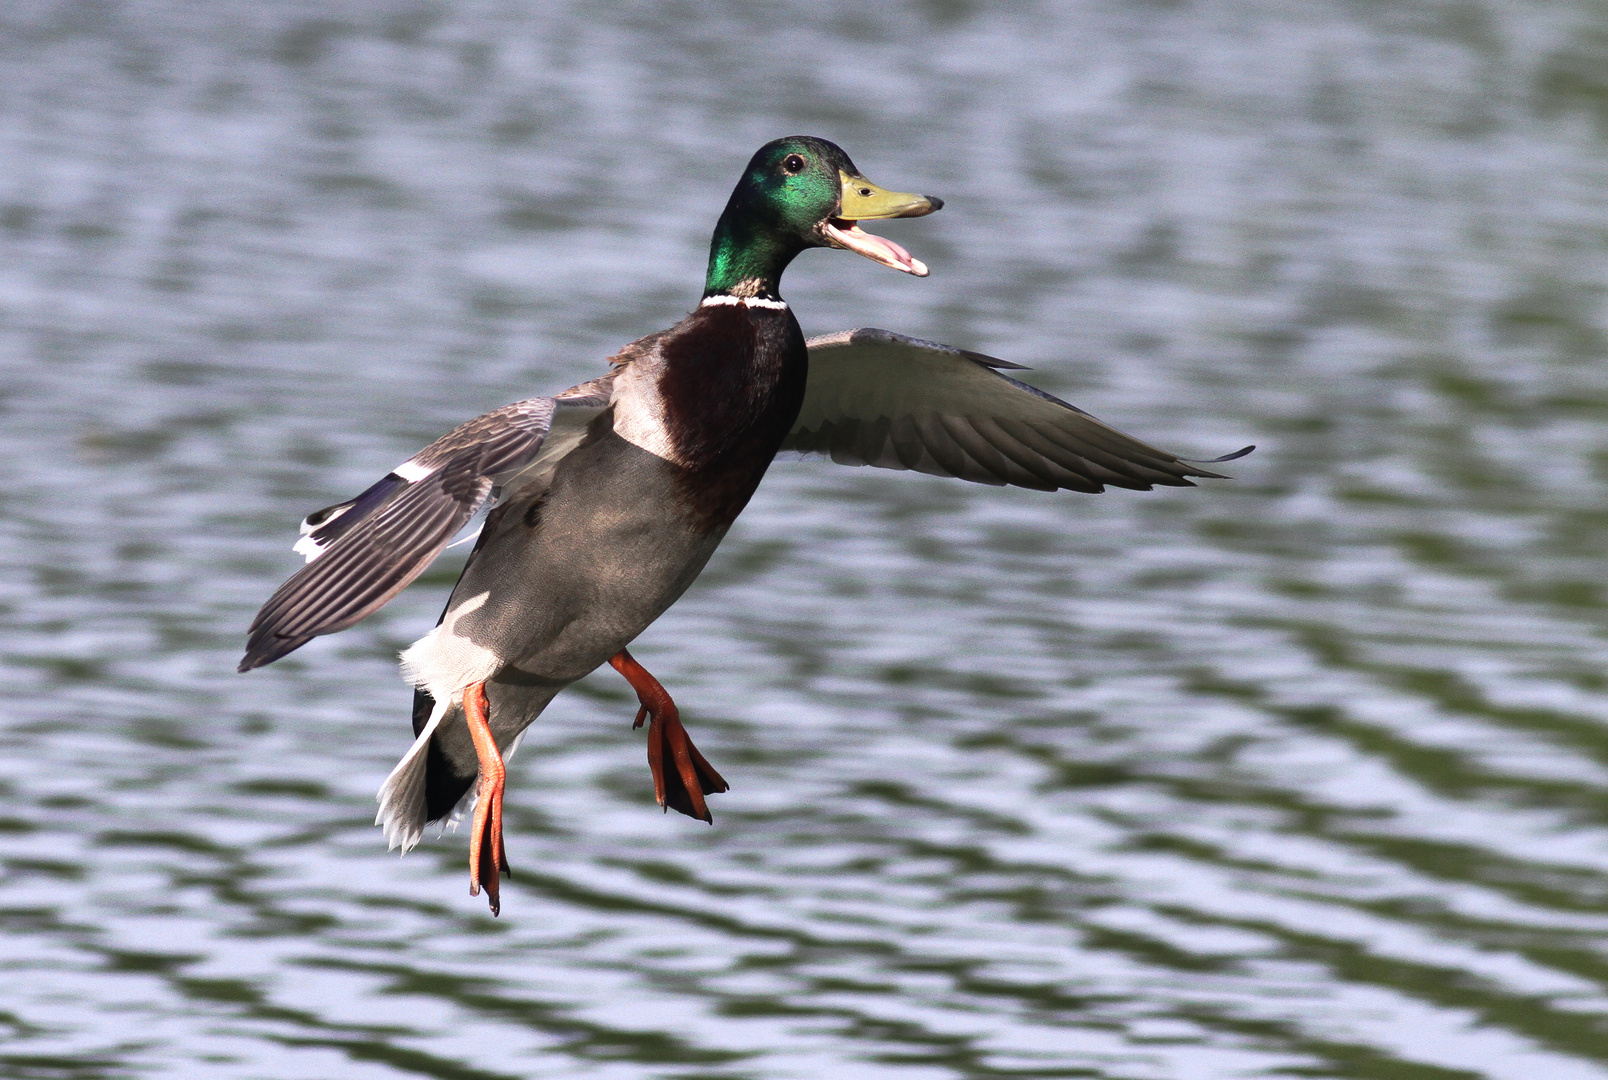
[609,497]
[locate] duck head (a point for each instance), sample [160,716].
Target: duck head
[803,192]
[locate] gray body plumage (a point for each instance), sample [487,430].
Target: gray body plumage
[565,575]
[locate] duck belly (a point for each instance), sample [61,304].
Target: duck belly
[571,576]
[561,580]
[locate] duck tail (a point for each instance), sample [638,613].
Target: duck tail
[435,780]
[430,783]
[404,808]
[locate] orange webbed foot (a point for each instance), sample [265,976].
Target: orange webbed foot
[682,789]
[488,859]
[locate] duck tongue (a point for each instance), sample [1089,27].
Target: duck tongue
[876,248]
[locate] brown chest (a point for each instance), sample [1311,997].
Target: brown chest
[730,390]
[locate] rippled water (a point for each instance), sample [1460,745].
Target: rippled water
[1299,775]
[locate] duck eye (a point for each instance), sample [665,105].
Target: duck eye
[793,163]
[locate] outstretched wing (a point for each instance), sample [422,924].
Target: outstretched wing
[363,552]
[879,398]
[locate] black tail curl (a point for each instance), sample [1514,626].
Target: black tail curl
[444,784]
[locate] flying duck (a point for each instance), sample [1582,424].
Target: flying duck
[608,498]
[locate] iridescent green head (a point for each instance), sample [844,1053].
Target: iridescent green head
[802,192]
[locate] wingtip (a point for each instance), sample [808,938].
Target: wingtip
[264,651]
[1235,456]
[254,659]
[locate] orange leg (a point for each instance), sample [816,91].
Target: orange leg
[683,789]
[487,859]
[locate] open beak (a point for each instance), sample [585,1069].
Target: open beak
[863,200]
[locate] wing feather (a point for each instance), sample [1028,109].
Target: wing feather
[1073,471]
[1045,473]
[365,552]
[908,453]
[879,398]
[949,455]
[983,455]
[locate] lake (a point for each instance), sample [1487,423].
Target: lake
[1298,774]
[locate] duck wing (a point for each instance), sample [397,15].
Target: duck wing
[879,398]
[362,552]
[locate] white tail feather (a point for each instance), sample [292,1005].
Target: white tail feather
[401,797]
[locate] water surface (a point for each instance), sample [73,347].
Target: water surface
[1298,775]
